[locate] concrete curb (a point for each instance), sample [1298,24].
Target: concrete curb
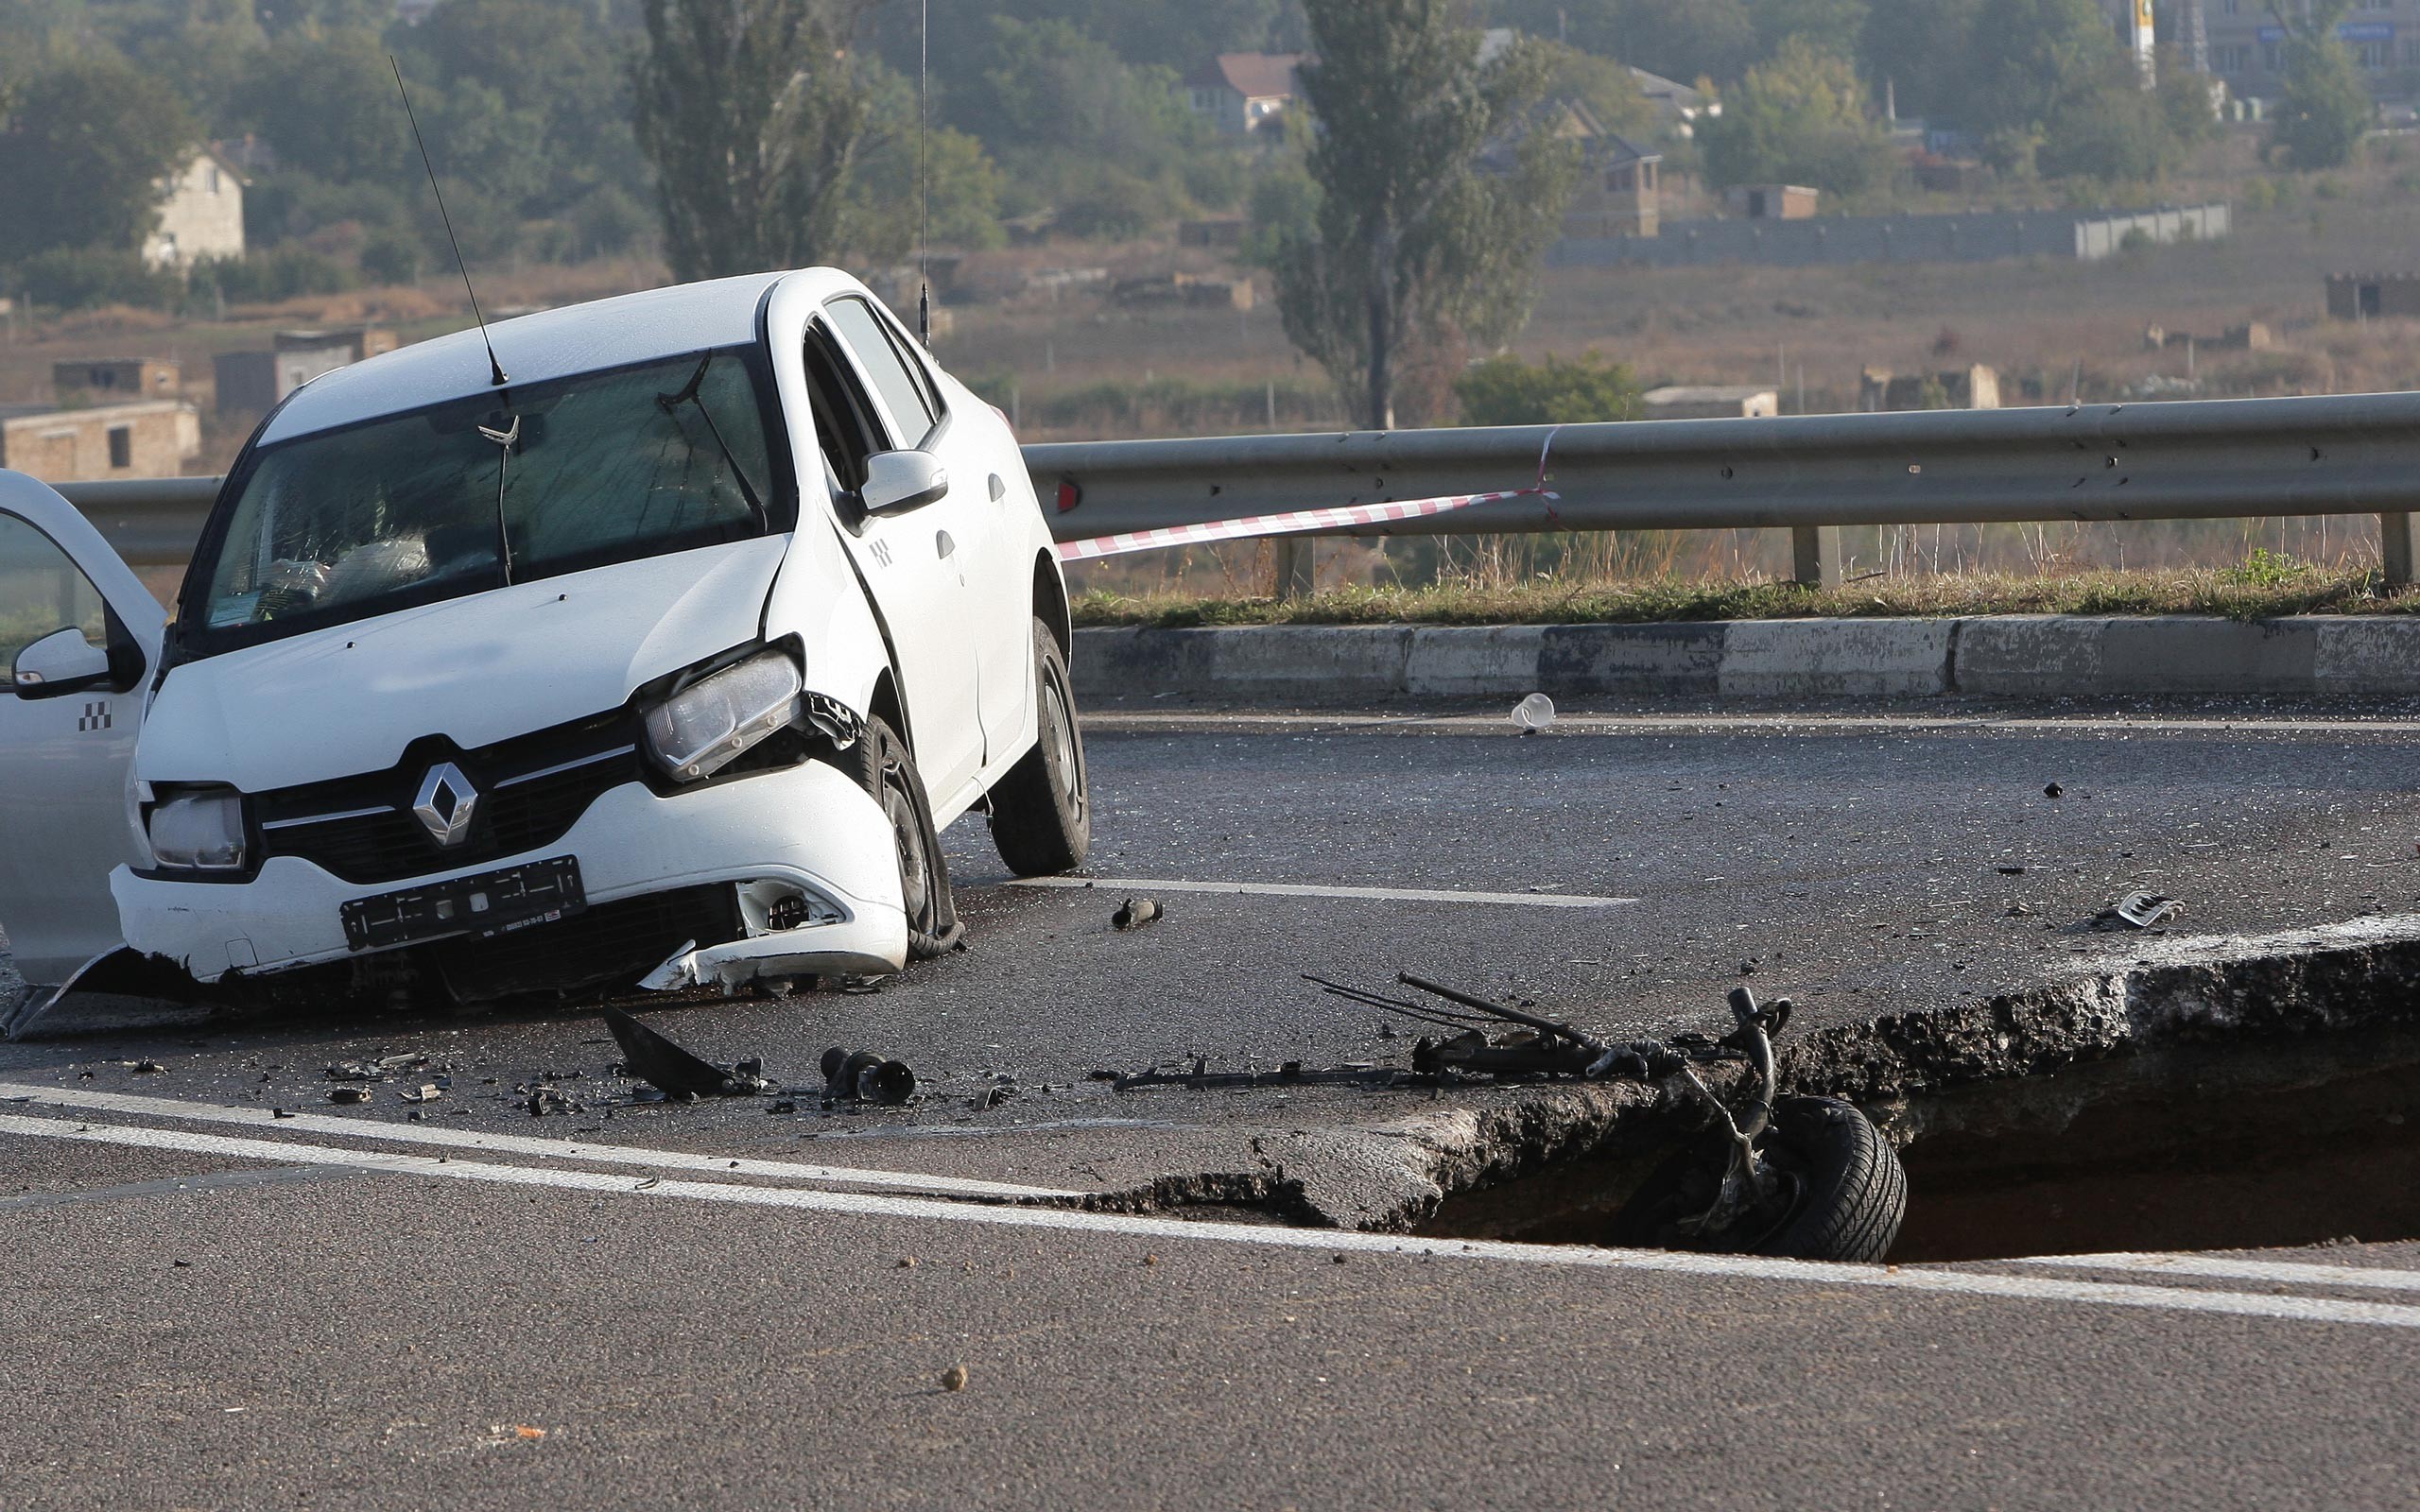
[1992,655]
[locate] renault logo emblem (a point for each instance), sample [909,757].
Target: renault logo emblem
[445,805]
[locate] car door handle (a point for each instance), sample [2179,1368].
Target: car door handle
[942,545]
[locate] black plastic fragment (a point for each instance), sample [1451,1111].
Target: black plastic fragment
[650,1057]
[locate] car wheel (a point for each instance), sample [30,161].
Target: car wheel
[1042,817]
[889,773]
[1843,1191]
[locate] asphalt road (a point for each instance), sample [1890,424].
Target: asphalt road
[215,1307]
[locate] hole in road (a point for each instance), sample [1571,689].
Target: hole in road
[2249,1145]
[2205,1147]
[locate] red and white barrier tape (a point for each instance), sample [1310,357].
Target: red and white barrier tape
[1330,518]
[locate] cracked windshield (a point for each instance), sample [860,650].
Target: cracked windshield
[478,492]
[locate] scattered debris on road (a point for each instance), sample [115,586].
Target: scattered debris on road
[542,1100]
[1537,1046]
[348,1094]
[1799,1178]
[2052,791]
[2138,910]
[1135,913]
[1289,1075]
[866,1078]
[1533,714]
[425,1093]
[649,1057]
[954,1378]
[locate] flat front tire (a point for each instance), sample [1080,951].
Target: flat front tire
[887,771]
[1042,820]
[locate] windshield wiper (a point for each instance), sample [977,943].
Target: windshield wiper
[505,441]
[688,395]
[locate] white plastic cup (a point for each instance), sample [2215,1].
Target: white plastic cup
[1533,714]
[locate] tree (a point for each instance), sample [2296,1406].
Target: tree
[1050,85]
[531,101]
[1608,90]
[85,148]
[751,112]
[897,176]
[327,103]
[1413,239]
[2323,106]
[2026,61]
[2109,126]
[1800,118]
[1918,49]
[1680,39]
[1831,25]
[1177,34]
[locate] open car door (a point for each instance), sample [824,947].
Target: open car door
[79,634]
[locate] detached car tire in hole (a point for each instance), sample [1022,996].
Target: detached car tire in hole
[1844,1194]
[1042,817]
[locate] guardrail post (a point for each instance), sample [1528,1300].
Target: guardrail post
[2398,548]
[1815,556]
[1294,566]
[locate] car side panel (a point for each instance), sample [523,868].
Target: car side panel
[65,766]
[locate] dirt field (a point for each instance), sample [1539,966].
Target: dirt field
[1077,364]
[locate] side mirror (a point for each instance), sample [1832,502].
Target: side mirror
[900,481]
[60,663]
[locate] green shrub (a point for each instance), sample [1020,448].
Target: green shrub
[1506,391]
[283,272]
[392,257]
[75,278]
[2268,569]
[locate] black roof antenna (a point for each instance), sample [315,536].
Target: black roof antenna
[924,175]
[496,369]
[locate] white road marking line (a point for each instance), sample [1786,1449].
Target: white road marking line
[1247,722]
[215,1181]
[2363,1277]
[1960,1283]
[515,1144]
[1295,889]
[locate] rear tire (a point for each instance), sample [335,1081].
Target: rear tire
[1042,818]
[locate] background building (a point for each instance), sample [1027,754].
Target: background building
[202,216]
[253,382]
[1241,92]
[148,439]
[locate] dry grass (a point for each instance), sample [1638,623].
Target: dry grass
[2243,593]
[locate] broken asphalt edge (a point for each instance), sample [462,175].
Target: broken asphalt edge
[1392,1176]
[2016,655]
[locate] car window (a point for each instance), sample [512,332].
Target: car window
[896,379]
[846,426]
[464,496]
[43,592]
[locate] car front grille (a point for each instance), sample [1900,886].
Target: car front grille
[531,790]
[611,942]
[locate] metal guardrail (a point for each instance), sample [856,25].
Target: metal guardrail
[150,522]
[2206,459]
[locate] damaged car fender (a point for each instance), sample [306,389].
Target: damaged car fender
[850,657]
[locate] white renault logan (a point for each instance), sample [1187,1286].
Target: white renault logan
[662,660]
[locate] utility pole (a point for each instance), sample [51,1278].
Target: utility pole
[2196,40]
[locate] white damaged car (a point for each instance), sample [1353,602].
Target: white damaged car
[665,660]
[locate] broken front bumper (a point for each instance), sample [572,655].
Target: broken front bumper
[806,828]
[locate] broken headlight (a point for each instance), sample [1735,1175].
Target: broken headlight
[198,830]
[703,728]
